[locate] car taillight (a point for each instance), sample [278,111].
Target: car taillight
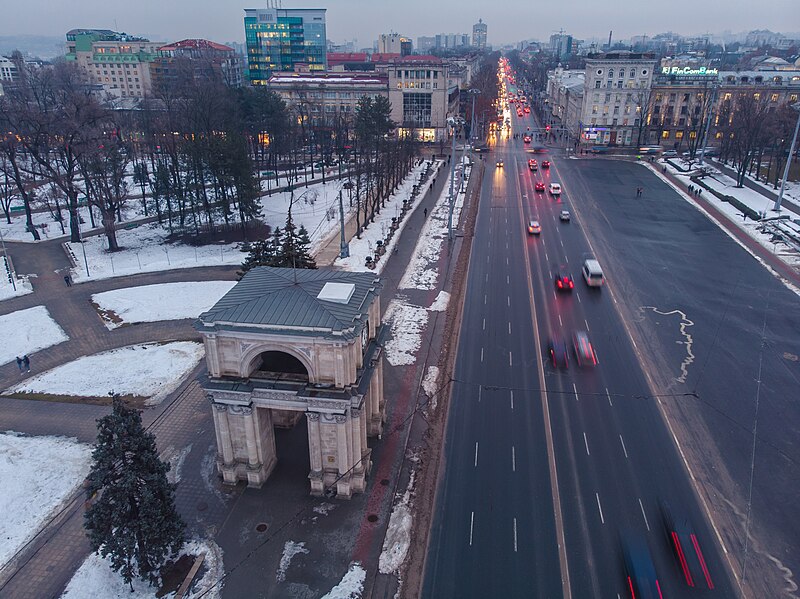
[682,559]
[630,586]
[702,561]
[560,284]
[658,587]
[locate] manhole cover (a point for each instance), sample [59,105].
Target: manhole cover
[202,506]
[261,527]
[385,481]
[372,518]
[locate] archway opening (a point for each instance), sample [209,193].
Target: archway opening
[278,365]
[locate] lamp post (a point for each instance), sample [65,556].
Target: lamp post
[454,122]
[474,92]
[777,207]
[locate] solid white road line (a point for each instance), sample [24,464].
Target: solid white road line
[625,451]
[608,395]
[586,443]
[476,454]
[471,525]
[515,535]
[575,390]
[600,508]
[513,459]
[646,523]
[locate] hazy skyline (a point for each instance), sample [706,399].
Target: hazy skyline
[364,20]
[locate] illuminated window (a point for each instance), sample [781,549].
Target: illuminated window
[756,96]
[665,134]
[679,135]
[774,98]
[692,134]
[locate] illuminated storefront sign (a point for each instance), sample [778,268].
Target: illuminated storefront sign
[689,71]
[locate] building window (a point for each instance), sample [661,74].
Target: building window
[597,84]
[619,84]
[632,73]
[594,109]
[596,97]
[608,98]
[616,109]
[610,73]
[679,135]
[774,97]
[793,98]
[756,96]
[665,134]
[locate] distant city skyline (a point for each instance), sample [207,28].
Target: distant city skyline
[364,20]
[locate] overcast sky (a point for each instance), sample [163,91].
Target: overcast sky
[221,20]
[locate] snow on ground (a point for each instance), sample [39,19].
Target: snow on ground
[430,384]
[38,474]
[22,283]
[28,331]
[290,549]
[145,250]
[377,231]
[407,323]
[352,584]
[164,301]
[176,458]
[150,370]
[95,578]
[398,533]
[422,273]
[440,303]
[315,207]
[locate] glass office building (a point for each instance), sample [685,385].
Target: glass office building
[279,39]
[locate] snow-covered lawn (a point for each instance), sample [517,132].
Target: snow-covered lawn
[145,250]
[407,323]
[28,331]
[38,474]
[151,370]
[398,533]
[165,301]
[95,579]
[422,273]
[315,207]
[351,585]
[377,231]
[23,284]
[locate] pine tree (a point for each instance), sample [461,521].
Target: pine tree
[276,243]
[304,259]
[288,252]
[262,253]
[133,521]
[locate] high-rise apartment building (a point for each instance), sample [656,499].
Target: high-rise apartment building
[479,31]
[280,40]
[117,61]
[561,45]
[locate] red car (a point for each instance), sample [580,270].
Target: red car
[545,164]
[532,164]
[526,139]
[527,109]
[539,187]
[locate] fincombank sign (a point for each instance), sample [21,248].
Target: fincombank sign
[690,71]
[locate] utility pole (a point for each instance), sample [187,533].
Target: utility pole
[344,247]
[777,207]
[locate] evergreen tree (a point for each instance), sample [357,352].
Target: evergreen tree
[304,259]
[277,245]
[133,521]
[288,251]
[261,254]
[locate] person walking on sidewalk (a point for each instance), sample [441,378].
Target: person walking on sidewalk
[19,363]
[425,213]
[67,280]
[27,362]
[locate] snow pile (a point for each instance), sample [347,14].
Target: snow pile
[290,549]
[144,250]
[352,584]
[165,301]
[377,230]
[407,322]
[430,386]
[7,290]
[422,273]
[323,509]
[440,303]
[39,474]
[176,460]
[28,331]
[150,370]
[398,533]
[95,578]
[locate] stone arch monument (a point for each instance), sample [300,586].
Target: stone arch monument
[286,342]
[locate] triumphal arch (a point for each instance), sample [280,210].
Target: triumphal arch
[286,343]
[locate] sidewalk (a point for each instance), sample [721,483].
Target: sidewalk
[732,227]
[786,203]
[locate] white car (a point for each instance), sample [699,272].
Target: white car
[555,189]
[534,228]
[564,216]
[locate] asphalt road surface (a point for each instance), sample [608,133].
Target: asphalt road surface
[520,429]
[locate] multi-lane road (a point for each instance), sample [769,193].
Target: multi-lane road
[546,468]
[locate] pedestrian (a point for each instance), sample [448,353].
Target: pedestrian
[691,189]
[19,363]
[699,191]
[664,169]
[67,280]
[425,213]
[27,362]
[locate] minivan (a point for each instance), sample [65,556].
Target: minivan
[592,273]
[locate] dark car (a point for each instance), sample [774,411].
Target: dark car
[539,186]
[685,545]
[545,164]
[584,352]
[641,578]
[558,352]
[564,281]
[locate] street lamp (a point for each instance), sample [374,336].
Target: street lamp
[454,123]
[474,92]
[777,207]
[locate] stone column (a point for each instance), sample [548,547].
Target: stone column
[315,454]
[344,460]
[225,458]
[359,468]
